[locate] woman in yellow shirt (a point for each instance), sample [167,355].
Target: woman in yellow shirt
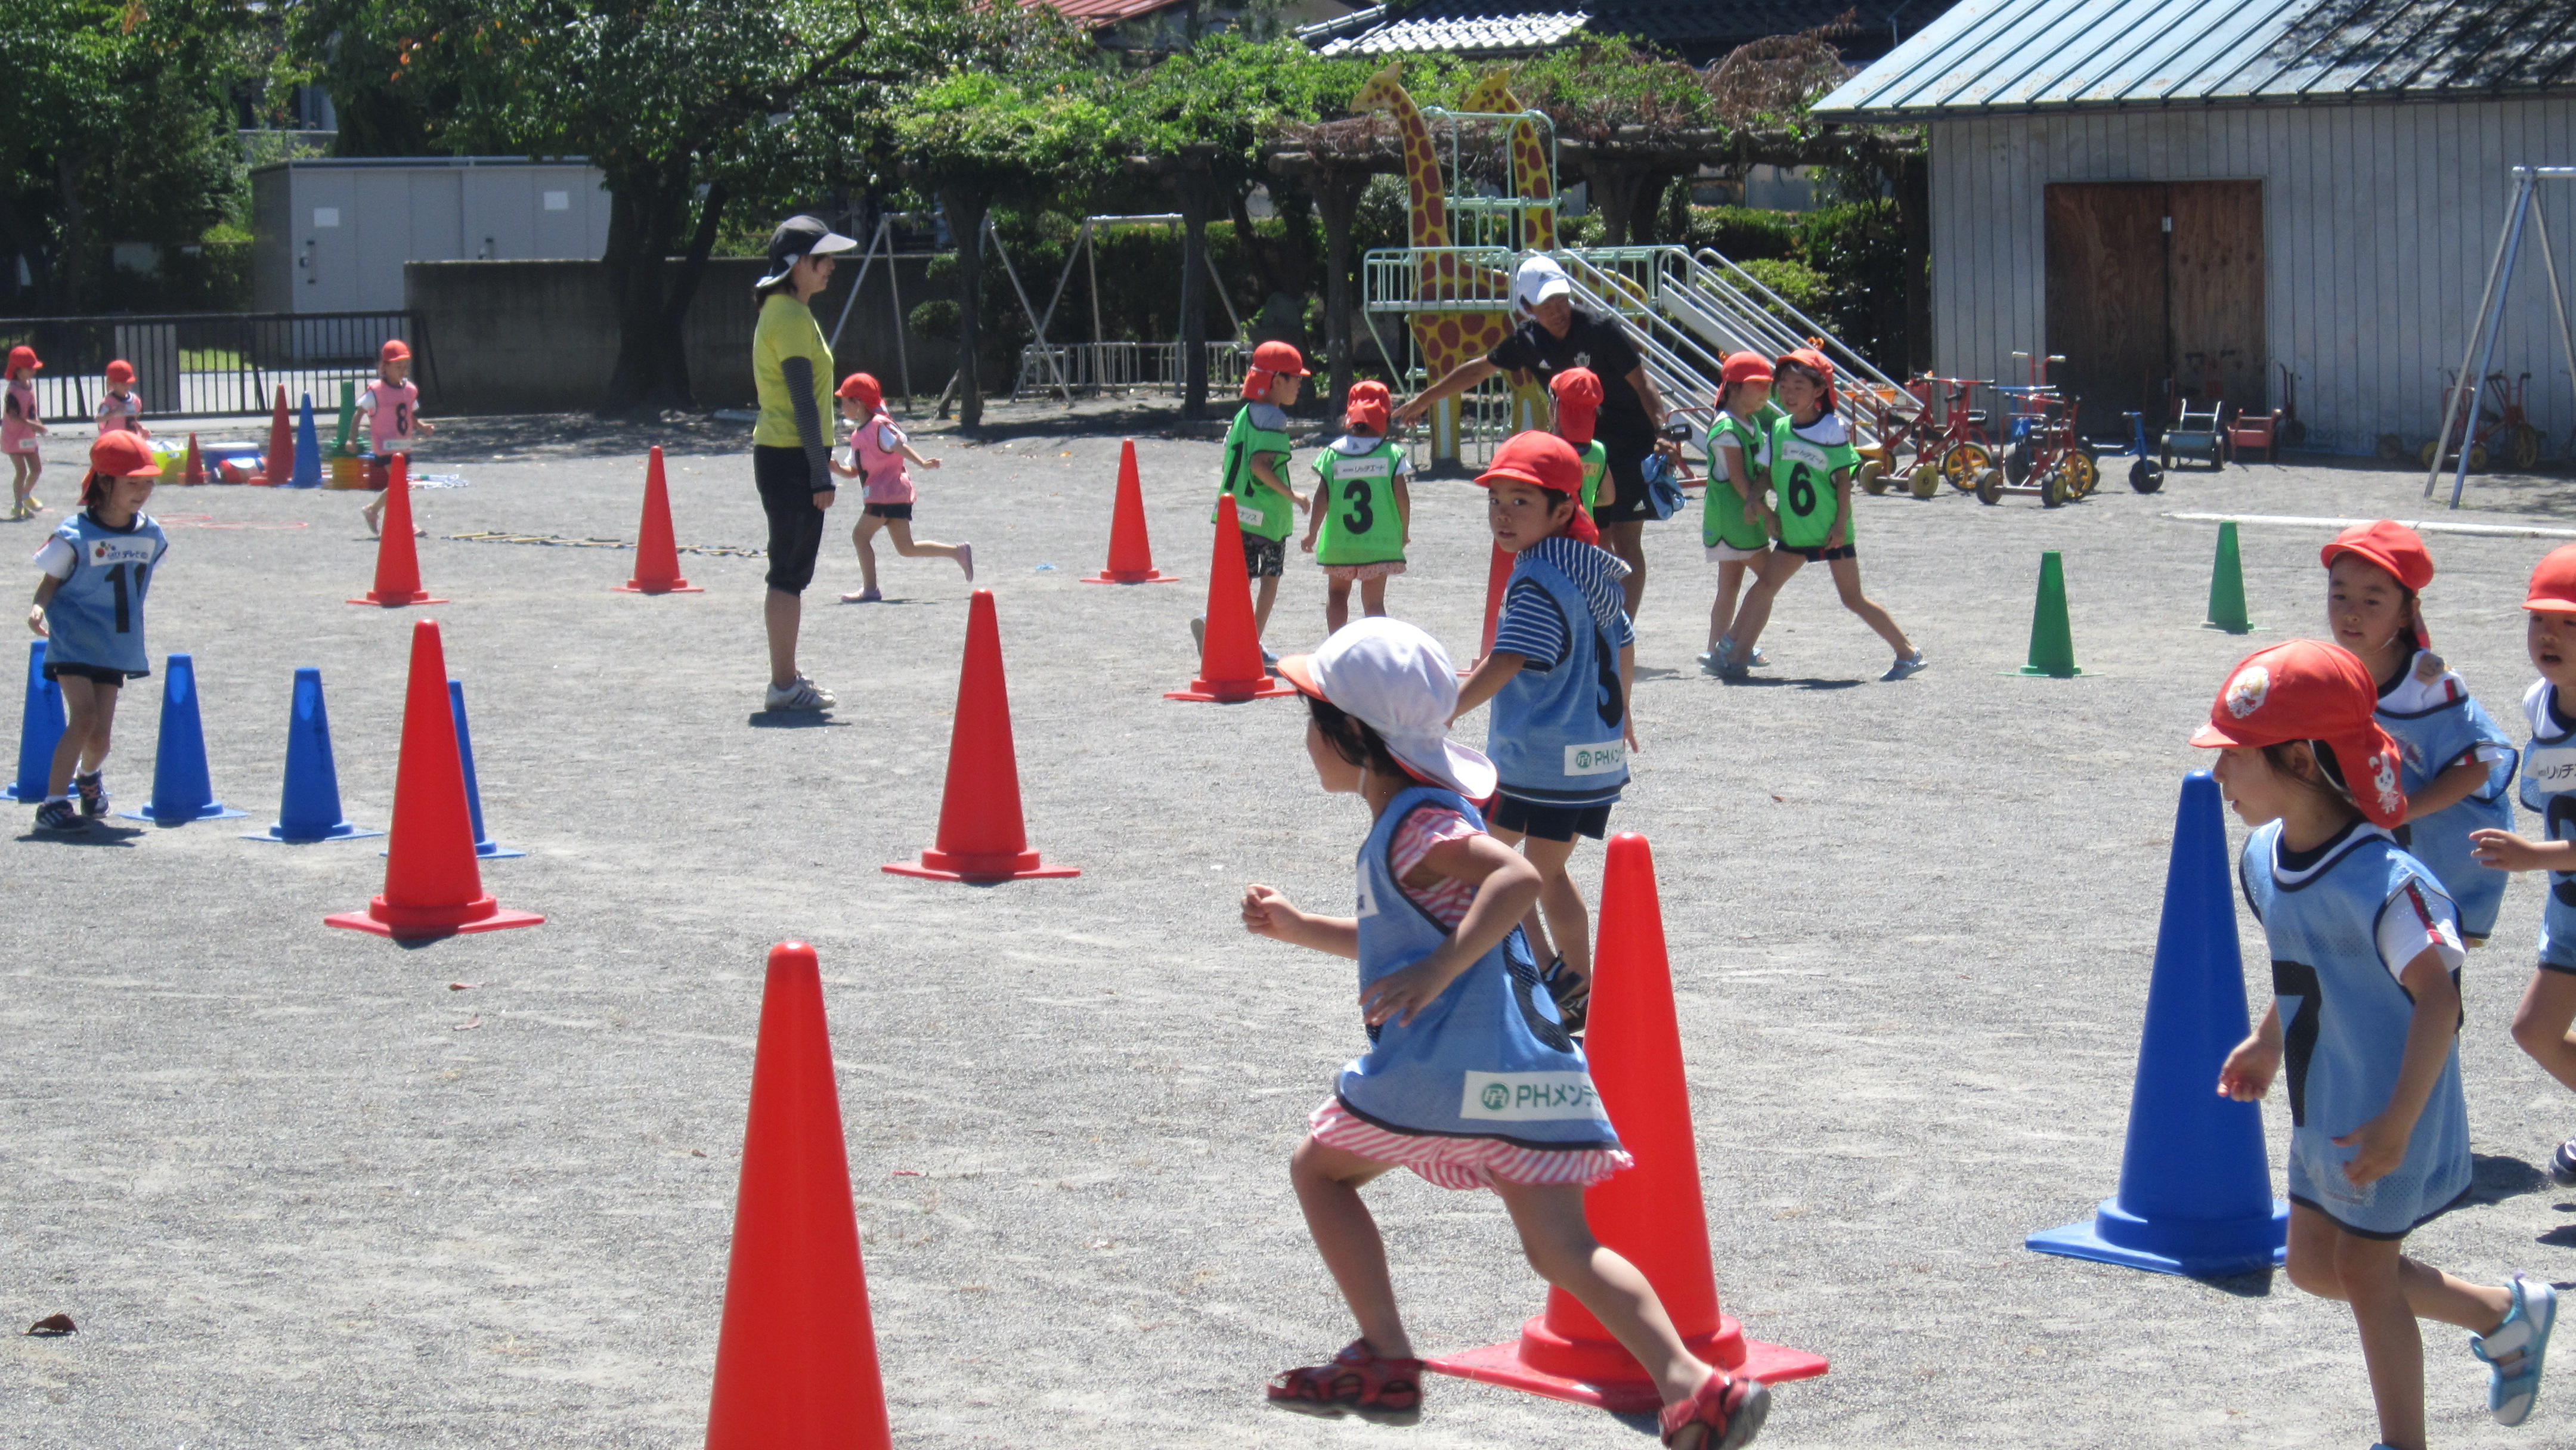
[791,446]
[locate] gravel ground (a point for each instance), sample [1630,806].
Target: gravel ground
[302,1186]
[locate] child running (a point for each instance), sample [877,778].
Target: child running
[1362,517]
[89,609]
[392,406]
[20,427]
[120,407]
[878,450]
[2459,762]
[1811,470]
[1563,662]
[1736,524]
[2365,954]
[1442,993]
[2540,1024]
[1256,473]
[1576,394]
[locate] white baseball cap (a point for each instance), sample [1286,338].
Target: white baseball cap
[1397,680]
[1539,279]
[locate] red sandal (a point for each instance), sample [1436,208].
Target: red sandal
[1358,1381]
[1732,1410]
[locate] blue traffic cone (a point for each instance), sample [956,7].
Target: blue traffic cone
[309,809]
[40,729]
[181,791]
[2195,1183]
[308,450]
[484,845]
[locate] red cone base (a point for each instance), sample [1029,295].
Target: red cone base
[962,866]
[381,919]
[1541,1362]
[1233,692]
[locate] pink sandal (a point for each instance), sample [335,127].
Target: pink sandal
[1732,1410]
[1357,1381]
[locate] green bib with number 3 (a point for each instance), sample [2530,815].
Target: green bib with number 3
[1356,491]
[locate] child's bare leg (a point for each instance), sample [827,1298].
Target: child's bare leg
[1373,597]
[91,709]
[1337,604]
[1328,1182]
[2540,1023]
[860,533]
[1721,610]
[1561,1247]
[1775,571]
[20,481]
[1847,584]
[1266,596]
[1569,922]
[900,530]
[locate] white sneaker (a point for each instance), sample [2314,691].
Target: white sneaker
[1911,665]
[799,696]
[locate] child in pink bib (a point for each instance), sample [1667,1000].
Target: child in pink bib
[878,451]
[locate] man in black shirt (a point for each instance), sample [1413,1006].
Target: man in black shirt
[1559,335]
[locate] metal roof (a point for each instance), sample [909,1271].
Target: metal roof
[1989,56]
[1695,28]
[1447,25]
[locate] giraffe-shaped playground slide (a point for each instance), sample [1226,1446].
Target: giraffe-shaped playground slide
[1446,338]
[1534,181]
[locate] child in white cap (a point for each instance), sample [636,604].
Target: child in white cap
[1469,1079]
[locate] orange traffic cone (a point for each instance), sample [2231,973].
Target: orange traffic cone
[1652,1213]
[1498,581]
[1230,669]
[981,834]
[397,559]
[279,466]
[657,559]
[1131,553]
[796,1359]
[432,886]
[195,471]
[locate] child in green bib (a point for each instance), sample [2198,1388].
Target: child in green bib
[1811,464]
[1577,392]
[1256,473]
[1736,523]
[1363,512]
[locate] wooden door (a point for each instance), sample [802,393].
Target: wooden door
[2106,298]
[2149,281]
[2214,288]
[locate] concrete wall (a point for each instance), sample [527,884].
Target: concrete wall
[2379,222]
[541,337]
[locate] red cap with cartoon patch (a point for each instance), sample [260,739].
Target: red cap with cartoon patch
[2314,691]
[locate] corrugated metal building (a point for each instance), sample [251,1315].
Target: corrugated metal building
[1697,31]
[2158,187]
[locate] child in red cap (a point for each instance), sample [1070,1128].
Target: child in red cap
[1256,474]
[1560,672]
[1812,459]
[1736,522]
[2459,762]
[97,571]
[1362,517]
[878,451]
[2540,1024]
[392,406]
[20,427]
[120,408]
[1577,395]
[2365,1015]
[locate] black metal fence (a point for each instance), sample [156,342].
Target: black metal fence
[213,364]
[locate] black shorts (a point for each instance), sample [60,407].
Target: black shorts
[901,511]
[104,674]
[1551,823]
[1628,471]
[1264,558]
[1819,554]
[795,524]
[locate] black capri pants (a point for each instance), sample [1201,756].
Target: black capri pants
[1627,449]
[795,524]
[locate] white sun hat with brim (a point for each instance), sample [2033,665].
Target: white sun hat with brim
[1397,680]
[797,238]
[1539,279]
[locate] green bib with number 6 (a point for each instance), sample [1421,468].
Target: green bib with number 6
[1803,465]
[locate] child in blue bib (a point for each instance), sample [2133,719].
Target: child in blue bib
[1469,1079]
[2365,1017]
[96,570]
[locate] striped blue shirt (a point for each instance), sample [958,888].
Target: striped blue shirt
[1530,625]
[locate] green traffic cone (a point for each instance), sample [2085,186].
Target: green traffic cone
[2227,586]
[348,417]
[2052,640]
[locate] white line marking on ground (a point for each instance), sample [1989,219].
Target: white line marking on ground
[2421,526]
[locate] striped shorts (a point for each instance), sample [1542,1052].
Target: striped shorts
[1462,1162]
